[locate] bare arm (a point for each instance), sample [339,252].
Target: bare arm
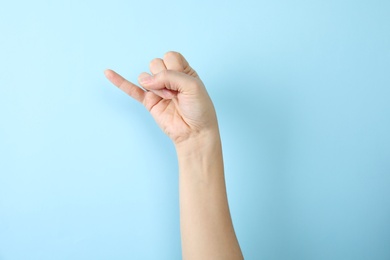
[178,101]
[206,227]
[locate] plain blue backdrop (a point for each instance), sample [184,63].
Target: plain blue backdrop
[302,92]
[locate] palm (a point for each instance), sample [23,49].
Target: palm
[167,115]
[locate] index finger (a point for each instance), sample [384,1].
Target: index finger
[126,86]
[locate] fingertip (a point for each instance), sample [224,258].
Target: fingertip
[108,73]
[114,77]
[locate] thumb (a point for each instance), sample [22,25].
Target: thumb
[171,80]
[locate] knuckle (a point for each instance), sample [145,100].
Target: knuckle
[154,62]
[195,85]
[164,73]
[172,54]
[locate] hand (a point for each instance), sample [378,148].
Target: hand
[174,95]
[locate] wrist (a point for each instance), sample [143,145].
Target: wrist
[200,158]
[203,143]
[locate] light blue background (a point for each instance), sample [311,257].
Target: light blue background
[302,92]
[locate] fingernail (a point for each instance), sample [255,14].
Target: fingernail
[145,79]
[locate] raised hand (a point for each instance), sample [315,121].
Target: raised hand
[175,96]
[178,101]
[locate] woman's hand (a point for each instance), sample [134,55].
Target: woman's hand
[174,95]
[178,101]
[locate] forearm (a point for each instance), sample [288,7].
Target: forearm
[178,101]
[206,227]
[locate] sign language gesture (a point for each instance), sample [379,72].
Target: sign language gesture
[177,99]
[174,95]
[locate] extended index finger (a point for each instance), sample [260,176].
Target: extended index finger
[126,86]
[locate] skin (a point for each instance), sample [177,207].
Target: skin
[177,99]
